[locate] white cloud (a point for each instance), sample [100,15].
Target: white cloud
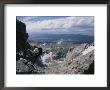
[79,22]
[27,18]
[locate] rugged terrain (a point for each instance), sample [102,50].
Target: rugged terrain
[78,60]
[31,59]
[28,59]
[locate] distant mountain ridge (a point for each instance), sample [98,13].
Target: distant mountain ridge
[76,38]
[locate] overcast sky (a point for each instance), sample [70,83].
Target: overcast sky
[59,24]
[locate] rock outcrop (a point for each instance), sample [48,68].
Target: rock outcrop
[28,58]
[21,36]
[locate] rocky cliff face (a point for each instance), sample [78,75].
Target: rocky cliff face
[21,36]
[27,57]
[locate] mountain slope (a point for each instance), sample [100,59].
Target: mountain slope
[75,62]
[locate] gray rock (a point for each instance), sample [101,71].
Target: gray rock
[74,63]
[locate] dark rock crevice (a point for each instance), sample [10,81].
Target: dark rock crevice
[90,70]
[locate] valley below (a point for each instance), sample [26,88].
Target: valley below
[64,56]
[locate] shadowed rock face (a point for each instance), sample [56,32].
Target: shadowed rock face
[90,70]
[28,59]
[20,27]
[21,36]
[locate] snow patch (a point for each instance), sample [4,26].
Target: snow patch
[46,57]
[89,49]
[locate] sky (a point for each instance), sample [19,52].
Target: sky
[59,24]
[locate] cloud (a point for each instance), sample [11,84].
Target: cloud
[26,19]
[73,23]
